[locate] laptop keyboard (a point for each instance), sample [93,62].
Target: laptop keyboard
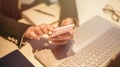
[96,53]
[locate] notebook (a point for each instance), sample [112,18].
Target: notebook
[96,43]
[42,13]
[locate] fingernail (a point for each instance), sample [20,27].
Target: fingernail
[49,32]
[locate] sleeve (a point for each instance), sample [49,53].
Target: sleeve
[12,30]
[68,9]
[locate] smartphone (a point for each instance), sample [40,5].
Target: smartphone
[62,30]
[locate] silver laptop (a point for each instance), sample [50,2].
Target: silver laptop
[95,44]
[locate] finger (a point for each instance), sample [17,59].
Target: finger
[32,35]
[58,39]
[38,31]
[68,34]
[61,37]
[50,28]
[67,21]
[44,28]
[59,42]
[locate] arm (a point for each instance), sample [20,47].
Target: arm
[11,28]
[68,10]
[68,15]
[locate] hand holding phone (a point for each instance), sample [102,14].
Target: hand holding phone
[62,30]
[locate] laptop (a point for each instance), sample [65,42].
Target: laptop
[96,43]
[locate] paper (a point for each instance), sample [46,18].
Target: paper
[42,14]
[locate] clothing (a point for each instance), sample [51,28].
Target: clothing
[10,8]
[68,9]
[11,29]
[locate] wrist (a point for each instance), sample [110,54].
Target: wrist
[68,21]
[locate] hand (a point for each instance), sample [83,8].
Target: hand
[67,21]
[35,32]
[63,38]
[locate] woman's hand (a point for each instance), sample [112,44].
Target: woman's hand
[63,38]
[35,32]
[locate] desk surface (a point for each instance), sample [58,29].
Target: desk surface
[7,47]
